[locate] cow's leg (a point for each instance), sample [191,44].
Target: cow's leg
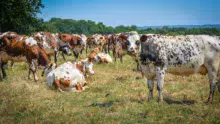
[29,73]
[86,49]
[138,64]
[12,64]
[55,57]
[3,69]
[33,69]
[63,56]
[57,85]
[218,78]
[160,74]
[150,84]
[212,74]
[121,59]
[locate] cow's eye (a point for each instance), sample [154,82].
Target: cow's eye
[128,43]
[138,42]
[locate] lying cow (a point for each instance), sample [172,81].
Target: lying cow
[103,58]
[180,55]
[69,76]
[18,48]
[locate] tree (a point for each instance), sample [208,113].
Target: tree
[20,15]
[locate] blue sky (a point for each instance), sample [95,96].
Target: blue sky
[135,12]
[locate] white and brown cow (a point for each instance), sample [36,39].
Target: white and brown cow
[103,58]
[76,42]
[70,76]
[180,55]
[18,48]
[52,44]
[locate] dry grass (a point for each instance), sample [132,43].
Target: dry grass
[114,96]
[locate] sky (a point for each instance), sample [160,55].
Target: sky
[135,12]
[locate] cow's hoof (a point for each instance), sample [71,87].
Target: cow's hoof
[209,102]
[160,101]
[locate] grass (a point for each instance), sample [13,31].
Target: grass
[115,96]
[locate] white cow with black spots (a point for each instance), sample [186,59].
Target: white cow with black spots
[180,55]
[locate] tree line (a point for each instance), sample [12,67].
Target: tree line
[21,16]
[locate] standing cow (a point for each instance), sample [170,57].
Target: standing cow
[18,48]
[76,42]
[180,55]
[52,44]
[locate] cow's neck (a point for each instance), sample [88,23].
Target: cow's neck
[79,66]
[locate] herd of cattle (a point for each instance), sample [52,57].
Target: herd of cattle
[154,54]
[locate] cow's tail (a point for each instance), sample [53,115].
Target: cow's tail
[218,78]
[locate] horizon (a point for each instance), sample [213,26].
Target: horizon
[140,13]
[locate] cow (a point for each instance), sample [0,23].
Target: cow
[75,41]
[99,41]
[70,76]
[133,46]
[179,55]
[103,58]
[52,44]
[108,45]
[18,48]
[119,45]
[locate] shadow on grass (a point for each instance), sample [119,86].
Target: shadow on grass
[141,101]
[106,104]
[183,102]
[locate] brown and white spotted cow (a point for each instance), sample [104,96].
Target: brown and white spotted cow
[76,43]
[70,76]
[52,44]
[18,48]
[119,45]
[103,58]
[99,41]
[180,55]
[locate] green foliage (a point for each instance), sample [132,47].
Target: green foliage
[20,16]
[90,27]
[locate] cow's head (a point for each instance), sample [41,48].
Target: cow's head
[87,66]
[93,53]
[63,46]
[39,36]
[48,69]
[133,43]
[6,38]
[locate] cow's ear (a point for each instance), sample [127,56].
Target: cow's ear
[143,38]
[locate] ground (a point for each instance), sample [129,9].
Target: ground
[117,94]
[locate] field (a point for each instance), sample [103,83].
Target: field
[117,94]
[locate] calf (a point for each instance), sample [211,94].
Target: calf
[180,55]
[22,49]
